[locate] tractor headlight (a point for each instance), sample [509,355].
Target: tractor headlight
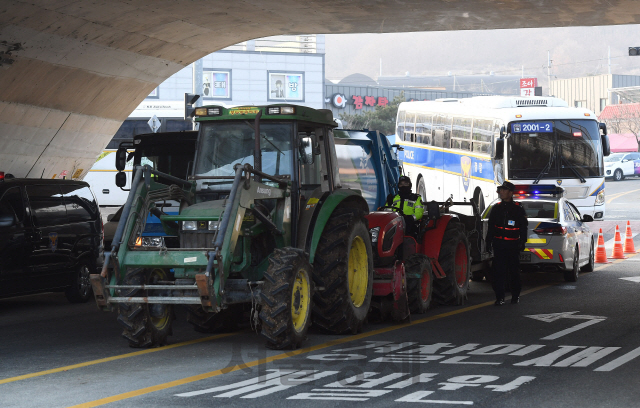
[600,197]
[213,225]
[152,241]
[189,225]
[374,234]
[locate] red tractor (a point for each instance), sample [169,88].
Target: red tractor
[411,270]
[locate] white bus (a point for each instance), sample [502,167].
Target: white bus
[464,148]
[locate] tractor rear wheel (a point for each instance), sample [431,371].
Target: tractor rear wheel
[145,325]
[344,270]
[286,299]
[419,289]
[455,263]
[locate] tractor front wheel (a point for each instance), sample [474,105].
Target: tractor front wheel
[286,299]
[455,262]
[344,270]
[145,325]
[419,289]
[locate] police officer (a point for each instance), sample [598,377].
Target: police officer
[409,203]
[507,233]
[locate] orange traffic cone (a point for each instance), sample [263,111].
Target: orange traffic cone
[601,252]
[618,252]
[628,241]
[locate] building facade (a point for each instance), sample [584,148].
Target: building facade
[592,92]
[256,72]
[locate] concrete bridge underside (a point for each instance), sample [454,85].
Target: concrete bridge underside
[82,66]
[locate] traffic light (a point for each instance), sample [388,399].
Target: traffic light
[634,51]
[189,105]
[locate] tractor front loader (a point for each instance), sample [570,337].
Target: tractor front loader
[264,226]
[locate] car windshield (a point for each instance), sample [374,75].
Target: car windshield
[572,148]
[613,158]
[221,145]
[540,209]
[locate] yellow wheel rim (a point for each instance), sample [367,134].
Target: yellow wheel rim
[358,271]
[300,298]
[159,321]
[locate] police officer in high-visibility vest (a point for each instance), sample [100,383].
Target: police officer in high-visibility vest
[507,234]
[409,203]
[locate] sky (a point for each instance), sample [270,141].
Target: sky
[574,52]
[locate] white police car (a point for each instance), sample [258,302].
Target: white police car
[620,165]
[558,238]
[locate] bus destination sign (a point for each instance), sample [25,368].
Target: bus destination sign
[532,127]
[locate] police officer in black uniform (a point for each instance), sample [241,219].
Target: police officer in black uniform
[507,234]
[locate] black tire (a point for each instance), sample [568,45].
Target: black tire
[590,267]
[145,325]
[455,262]
[341,307]
[571,275]
[80,290]
[286,299]
[618,175]
[224,321]
[421,189]
[419,290]
[478,198]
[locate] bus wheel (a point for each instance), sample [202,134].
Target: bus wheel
[421,189]
[454,259]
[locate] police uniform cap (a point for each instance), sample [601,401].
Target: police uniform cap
[507,186]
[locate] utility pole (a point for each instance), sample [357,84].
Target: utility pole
[549,70]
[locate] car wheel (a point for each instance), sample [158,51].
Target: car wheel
[592,260]
[80,289]
[571,275]
[617,175]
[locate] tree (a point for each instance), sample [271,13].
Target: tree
[623,119]
[382,119]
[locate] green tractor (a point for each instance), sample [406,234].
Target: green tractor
[264,225]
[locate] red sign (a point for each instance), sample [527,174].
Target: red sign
[360,101]
[528,82]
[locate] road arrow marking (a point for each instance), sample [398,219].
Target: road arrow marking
[633,279]
[552,317]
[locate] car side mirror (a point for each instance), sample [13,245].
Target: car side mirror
[121,179]
[121,158]
[306,150]
[587,218]
[7,220]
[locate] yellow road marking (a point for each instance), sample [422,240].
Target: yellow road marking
[620,195]
[293,353]
[108,359]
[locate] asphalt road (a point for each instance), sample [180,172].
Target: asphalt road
[564,345]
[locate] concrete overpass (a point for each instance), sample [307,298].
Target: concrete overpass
[72,70]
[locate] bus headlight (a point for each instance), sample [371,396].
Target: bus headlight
[600,197]
[189,225]
[374,234]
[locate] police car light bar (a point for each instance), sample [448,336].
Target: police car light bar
[538,189]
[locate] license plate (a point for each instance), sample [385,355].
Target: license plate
[525,257]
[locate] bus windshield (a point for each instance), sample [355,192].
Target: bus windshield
[221,145]
[567,149]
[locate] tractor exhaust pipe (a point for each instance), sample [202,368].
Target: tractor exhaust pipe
[257,154]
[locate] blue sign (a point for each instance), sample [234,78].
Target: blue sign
[532,127]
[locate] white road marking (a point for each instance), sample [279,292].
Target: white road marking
[633,278]
[572,329]
[619,361]
[419,395]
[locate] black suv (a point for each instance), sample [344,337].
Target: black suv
[50,237]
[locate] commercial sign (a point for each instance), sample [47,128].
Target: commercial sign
[528,86]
